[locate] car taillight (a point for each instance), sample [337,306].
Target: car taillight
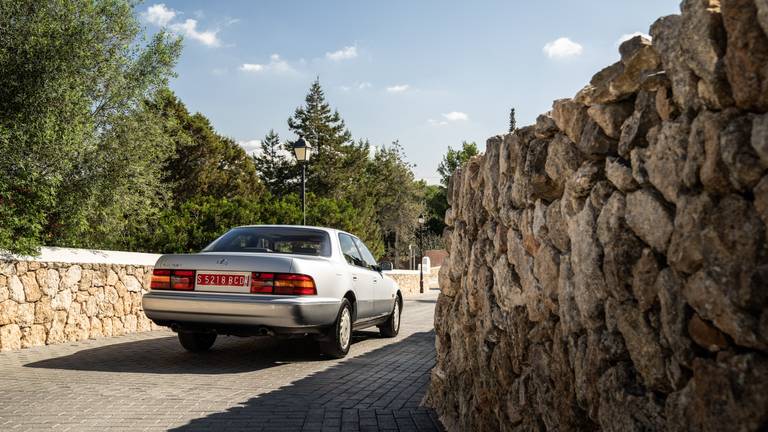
[282,284]
[164,279]
[262,283]
[161,279]
[183,280]
[295,284]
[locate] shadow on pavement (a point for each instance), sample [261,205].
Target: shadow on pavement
[166,356]
[378,390]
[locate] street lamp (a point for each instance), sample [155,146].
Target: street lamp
[421,254]
[302,151]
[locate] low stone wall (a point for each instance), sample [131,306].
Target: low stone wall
[408,280]
[608,267]
[81,295]
[68,295]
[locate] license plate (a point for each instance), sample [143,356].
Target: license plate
[222,281]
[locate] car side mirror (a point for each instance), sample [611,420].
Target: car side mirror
[385,265]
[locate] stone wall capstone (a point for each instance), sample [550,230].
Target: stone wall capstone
[608,267]
[44,302]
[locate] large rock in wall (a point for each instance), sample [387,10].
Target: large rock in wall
[53,302]
[608,266]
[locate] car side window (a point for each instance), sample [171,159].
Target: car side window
[370,261]
[351,254]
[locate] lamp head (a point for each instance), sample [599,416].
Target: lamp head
[302,150]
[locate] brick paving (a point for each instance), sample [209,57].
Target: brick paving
[146,381]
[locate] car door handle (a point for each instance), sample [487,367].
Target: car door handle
[354,277]
[375,280]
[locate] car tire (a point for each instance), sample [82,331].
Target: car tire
[339,336]
[197,341]
[392,327]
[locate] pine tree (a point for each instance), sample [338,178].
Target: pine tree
[272,165]
[512,121]
[330,167]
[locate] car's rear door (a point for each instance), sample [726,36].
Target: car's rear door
[358,272]
[382,297]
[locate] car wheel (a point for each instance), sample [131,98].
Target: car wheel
[339,337]
[197,341]
[392,327]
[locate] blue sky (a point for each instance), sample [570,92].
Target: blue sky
[427,73]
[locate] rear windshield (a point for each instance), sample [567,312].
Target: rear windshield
[285,240]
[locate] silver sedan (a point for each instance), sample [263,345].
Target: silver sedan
[274,280]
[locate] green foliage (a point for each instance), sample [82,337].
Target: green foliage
[98,153]
[130,193]
[453,159]
[335,159]
[338,168]
[437,204]
[72,75]
[204,162]
[436,196]
[512,121]
[398,199]
[193,224]
[274,165]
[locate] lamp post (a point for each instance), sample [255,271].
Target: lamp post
[421,254]
[302,151]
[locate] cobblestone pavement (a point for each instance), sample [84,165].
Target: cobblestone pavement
[146,381]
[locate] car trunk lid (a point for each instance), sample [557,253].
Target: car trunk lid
[226,272]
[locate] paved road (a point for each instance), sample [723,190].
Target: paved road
[146,381]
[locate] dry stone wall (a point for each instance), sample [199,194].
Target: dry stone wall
[608,267]
[53,302]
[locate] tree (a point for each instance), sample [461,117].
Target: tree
[71,71]
[203,163]
[272,165]
[398,199]
[436,204]
[337,170]
[336,158]
[453,159]
[130,193]
[512,121]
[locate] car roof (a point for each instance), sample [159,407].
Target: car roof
[330,230]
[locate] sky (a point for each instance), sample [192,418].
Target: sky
[430,74]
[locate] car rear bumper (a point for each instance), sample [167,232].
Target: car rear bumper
[276,312]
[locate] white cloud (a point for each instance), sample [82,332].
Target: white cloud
[345,53]
[562,48]
[189,29]
[250,67]
[357,86]
[250,146]
[456,116]
[450,117]
[433,122]
[628,36]
[276,65]
[398,88]
[159,15]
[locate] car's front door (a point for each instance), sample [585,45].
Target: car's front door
[382,295]
[359,274]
